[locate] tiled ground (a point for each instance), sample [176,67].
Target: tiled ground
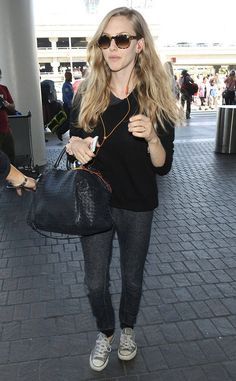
[187,324]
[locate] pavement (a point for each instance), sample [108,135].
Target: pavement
[186,329]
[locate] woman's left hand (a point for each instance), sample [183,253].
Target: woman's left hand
[142,127]
[31,184]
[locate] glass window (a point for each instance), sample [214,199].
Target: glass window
[43,43]
[45,67]
[63,42]
[78,42]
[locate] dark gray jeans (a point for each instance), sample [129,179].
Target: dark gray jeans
[133,232]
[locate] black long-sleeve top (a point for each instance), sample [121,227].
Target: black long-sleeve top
[124,159]
[4,166]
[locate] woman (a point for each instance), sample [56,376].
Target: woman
[213,93]
[203,93]
[127,101]
[14,176]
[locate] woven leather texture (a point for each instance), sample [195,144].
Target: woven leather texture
[74,202]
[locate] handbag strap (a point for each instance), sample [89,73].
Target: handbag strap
[94,172]
[59,158]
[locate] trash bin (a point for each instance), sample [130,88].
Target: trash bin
[226,129]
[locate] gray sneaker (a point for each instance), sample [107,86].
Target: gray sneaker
[127,348]
[100,354]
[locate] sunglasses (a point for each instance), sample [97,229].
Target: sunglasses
[122,41]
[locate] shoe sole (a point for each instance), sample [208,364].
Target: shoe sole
[100,368]
[127,358]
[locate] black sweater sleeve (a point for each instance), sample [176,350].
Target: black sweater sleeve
[74,129]
[75,110]
[167,140]
[4,166]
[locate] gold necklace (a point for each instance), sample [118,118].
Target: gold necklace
[105,136]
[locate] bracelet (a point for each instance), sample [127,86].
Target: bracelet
[22,185]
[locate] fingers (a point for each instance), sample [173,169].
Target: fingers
[31,183]
[68,149]
[84,157]
[140,121]
[139,117]
[140,126]
[74,138]
[29,186]
[80,149]
[19,191]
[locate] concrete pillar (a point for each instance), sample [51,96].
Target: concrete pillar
[53,41]
[55,65]
[71,61]
[19,64]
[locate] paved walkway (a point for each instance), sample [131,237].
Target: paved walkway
[187,324]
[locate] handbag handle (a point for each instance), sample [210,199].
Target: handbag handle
[59,159]
[68,164]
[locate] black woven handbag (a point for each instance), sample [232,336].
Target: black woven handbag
[72,202]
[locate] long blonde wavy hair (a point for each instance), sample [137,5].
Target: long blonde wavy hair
[153,90]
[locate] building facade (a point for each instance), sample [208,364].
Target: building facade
[62,39]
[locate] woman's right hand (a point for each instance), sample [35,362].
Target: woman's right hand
[80,149]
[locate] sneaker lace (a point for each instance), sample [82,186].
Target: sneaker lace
[127,342]
[102,346]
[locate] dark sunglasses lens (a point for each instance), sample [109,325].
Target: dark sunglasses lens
[122,41]
[104,42]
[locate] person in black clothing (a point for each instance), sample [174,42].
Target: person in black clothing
[67,95]
[126,100]
[7,107]
[230,83]
[14,176]
[53,116]
[186,96]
